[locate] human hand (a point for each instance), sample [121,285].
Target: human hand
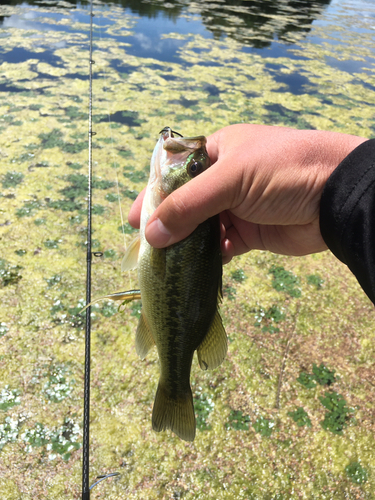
[265,181]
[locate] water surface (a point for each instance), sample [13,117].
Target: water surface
[299,328]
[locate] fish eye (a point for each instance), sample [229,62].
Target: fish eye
[194,168]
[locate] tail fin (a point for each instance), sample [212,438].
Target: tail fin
[175,413]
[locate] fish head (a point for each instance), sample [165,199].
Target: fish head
[174,162]
[182,159]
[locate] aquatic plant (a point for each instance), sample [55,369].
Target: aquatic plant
[97,209]
[58,441]
[58,386]
[77,187]
[74,112]
[29,208]
[130,193]
[102,183]
[9,398]
[75,219]
[307,380]
[136,308]
[229,292]
[51,139]
[300,417]
[127,228]
[133,174]
[54,280]
[35,107]
[65,205]
[320,374]
[21,252]
[238,275]
[356,473]
[337,417]
[111,197]
[238,421]
[74,165]
[51,243]
[269,319]
[9,273]
[9,430]
[315,280]
[285,281]
[264,426]
[12,179]
[108,309]
[110,253]
[203,406]
[323,375]
[65,314]
[4,329]
[39,222]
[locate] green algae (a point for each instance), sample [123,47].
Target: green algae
[247,446]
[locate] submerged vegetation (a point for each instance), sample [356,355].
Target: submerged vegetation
[289,414]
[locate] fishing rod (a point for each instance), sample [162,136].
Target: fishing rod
[86,402]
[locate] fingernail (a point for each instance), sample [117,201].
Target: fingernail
[157,234]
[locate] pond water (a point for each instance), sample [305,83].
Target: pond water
[289,414]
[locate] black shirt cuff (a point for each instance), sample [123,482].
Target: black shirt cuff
[347,214]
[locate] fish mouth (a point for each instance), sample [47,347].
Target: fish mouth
[167,131]
[180,144]
[171,152]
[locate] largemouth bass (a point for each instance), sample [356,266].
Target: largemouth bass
[180,288]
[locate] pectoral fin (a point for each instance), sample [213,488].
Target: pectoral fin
[124,296]
[213,349]
[130,260]
[143,338]
[127,296]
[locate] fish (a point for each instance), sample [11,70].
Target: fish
[180,288]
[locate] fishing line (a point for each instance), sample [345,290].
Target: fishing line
[112,148]
[113,158]
[86,404]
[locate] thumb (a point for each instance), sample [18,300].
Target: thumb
[182,211]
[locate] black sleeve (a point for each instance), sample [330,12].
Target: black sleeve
[347,214]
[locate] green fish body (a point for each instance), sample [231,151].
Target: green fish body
[180,288]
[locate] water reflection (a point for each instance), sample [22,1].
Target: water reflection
[256,23]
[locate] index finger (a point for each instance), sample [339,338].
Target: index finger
[204,196]
[134,216]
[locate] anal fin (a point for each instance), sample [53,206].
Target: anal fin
[214,347]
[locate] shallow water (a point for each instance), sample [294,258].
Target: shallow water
[195,67]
